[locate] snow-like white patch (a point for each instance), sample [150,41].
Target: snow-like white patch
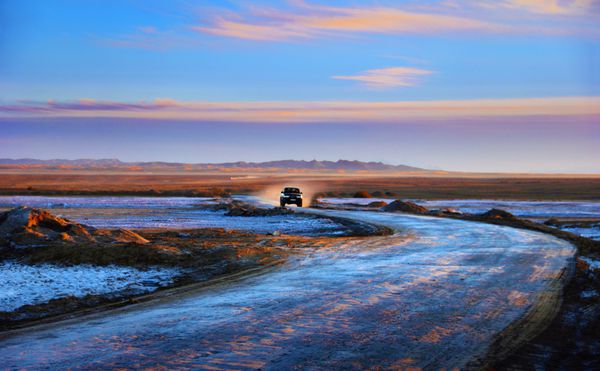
[199,218]
[101,202]
[523,209]
[535,210]
[169,212]
[588,294]
[594,264]
[36,284]
[592,232]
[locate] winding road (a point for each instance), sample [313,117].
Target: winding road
[434,295]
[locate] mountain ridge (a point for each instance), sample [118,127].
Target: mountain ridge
[353,165]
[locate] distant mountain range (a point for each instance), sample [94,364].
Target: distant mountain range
[345,165]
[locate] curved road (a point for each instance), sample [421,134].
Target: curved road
[432,296]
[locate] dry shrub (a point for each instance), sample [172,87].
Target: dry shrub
[362,194]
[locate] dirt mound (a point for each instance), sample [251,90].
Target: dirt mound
[445,212]
[240,208]
[25,227]
[377,204]
[405,207]
[119,236]
[362,194]
[552,222]
[249,210]
[497,214]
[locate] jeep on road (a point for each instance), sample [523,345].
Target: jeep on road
[290,195]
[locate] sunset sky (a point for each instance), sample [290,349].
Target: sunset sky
[498,85]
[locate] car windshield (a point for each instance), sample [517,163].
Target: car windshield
[291,190]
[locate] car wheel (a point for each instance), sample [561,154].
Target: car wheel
[299,204]
[282,204]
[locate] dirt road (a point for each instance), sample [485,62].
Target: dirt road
[434,295]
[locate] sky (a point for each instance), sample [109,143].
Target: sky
[503,85]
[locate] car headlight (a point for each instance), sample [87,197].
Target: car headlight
[299,196]
[281,195]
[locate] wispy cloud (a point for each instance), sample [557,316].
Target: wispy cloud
[548,7]
[386,78]
[298,111]
[255,31]
[87,104]
[302,21]
[308,20]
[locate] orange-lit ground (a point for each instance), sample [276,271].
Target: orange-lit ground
[406,185]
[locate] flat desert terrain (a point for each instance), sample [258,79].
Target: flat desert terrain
[401,185]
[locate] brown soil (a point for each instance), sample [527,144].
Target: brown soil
[443,186]
[406,207]
[377,204]
[240,208]
[27,228]
[571,341]
[573,222]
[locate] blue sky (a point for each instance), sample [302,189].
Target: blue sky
[263,70]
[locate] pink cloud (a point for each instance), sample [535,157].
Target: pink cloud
[548,7]
[313,20]
[302,21]
[385,78]
[307,20]
[241,30]
[299,111]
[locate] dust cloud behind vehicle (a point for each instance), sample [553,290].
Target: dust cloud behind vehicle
[271,193]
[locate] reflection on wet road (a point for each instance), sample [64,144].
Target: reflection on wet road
[433,299]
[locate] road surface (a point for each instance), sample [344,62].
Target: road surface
[432,296]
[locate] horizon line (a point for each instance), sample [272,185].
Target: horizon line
[424,171]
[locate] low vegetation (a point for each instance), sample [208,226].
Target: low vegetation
[335,185]
[362,194]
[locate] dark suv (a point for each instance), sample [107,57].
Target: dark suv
[290,195]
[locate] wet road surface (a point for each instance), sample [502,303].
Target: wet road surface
[432,296]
